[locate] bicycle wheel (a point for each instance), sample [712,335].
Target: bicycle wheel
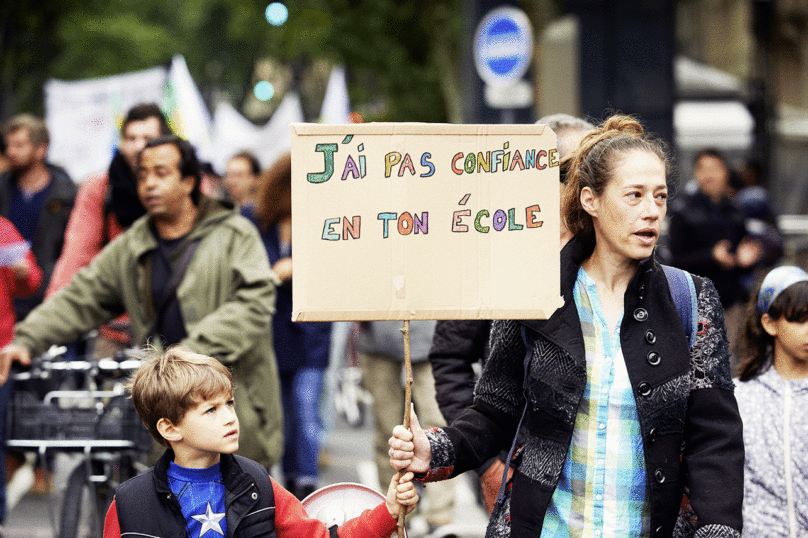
[349,399]
[85,505]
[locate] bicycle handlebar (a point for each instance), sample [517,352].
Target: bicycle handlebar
[42,366]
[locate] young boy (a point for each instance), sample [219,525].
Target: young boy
[199,488]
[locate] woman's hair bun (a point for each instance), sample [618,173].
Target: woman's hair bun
[627,125]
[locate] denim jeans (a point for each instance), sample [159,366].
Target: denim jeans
[301,391]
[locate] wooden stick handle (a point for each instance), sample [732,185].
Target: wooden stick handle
[407,405]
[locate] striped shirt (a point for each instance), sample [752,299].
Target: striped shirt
[602,490]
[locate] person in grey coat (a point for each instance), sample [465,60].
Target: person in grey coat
[773,401]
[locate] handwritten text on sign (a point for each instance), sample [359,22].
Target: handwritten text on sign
[424,221]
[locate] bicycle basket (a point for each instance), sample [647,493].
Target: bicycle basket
[107,419]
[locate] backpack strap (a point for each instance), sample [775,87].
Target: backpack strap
[171,288]
[683,292]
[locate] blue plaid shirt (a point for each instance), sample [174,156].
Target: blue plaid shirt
[602,491]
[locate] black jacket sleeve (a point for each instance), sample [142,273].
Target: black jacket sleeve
[456,347]
[488,426]
[713,457]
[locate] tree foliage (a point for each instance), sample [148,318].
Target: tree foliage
[401,56]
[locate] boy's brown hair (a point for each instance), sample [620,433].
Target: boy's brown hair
[168,384]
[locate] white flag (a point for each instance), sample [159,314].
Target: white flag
[186,110]
[232,132]
[336,107]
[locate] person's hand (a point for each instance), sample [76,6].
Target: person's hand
[410,450]
[722,254]
[283,268]
[748,253]
[401,492]
[9,354]
[21,268]
[491,481]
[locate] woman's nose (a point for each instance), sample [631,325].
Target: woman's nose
[650,208]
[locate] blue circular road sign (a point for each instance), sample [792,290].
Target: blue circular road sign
[503,46]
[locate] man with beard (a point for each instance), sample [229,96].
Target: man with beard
[36,197]
[106,205]
[191,271]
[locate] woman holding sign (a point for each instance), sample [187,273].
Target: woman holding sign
[624,395]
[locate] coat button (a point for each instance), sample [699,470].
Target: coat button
[652,434]
[659,476]
[644,388]
[653,358]
[254,496]
[650,337]
[641,314]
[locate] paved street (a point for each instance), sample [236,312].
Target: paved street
[346,458]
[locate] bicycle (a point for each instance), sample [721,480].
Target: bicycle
[84,411]
[351,400]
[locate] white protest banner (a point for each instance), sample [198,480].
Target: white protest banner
[424,221]
[84,116]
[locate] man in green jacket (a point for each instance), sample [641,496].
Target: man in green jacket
[191,271]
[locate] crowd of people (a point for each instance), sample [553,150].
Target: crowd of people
[616,416]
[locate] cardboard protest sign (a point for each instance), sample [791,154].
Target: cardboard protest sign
[424,221]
